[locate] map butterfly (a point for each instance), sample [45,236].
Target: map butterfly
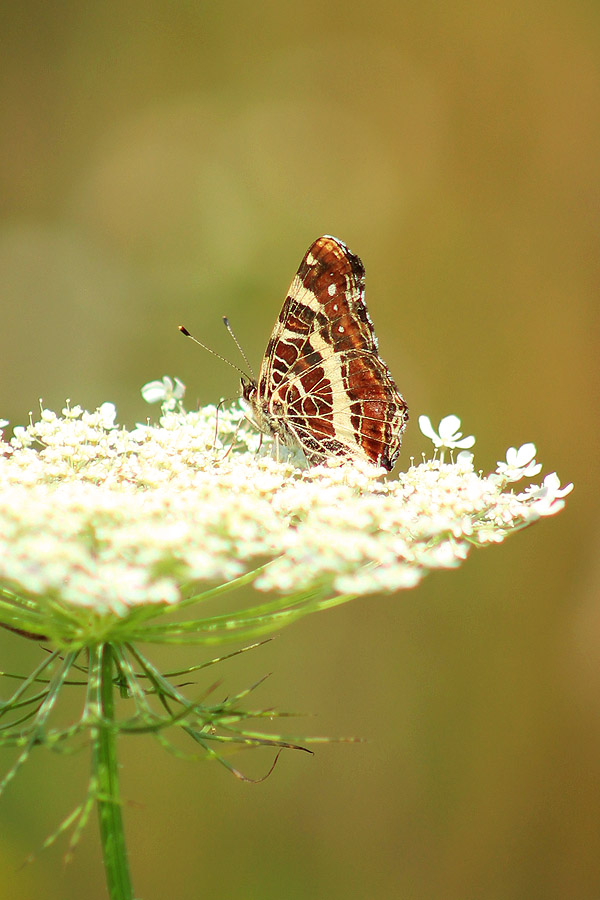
[322,386]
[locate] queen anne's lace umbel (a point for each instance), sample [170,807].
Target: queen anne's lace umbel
[97,516]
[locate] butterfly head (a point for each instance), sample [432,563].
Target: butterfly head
[248,388]
[248,397]
[259,412]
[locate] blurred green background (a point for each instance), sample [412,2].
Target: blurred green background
[166,162]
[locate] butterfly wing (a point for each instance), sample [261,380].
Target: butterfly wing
[322,377]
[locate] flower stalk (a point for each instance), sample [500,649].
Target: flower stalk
[105,776]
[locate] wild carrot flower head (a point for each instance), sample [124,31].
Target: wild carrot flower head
[97,520]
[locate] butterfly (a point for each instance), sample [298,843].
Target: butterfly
[322,386]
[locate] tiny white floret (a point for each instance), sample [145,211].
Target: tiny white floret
[108,414]
[547,499]
[164,391]
[447,434]
[519,463]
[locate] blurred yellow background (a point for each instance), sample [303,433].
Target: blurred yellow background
[166,162]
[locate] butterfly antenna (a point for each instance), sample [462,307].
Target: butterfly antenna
[237,344]
[214,352]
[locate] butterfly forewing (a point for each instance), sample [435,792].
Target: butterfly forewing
[322,384]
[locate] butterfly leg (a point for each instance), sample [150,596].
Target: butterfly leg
[230,448]
[219,405]
[235,433]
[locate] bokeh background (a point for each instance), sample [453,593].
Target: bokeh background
[167,162]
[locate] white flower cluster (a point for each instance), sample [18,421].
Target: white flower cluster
[97,516]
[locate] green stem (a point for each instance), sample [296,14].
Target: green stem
[105,774]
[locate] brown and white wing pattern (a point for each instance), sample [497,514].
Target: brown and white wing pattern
[322,385]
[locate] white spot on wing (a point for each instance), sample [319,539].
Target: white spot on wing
[331,290]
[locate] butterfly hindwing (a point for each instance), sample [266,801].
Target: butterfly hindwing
[322,384]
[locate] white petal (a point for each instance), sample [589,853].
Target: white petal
[153,391]
[524,455]
[532,470]
[466,442]
[108,412]
[427,428]
[465,459]
[449,426]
